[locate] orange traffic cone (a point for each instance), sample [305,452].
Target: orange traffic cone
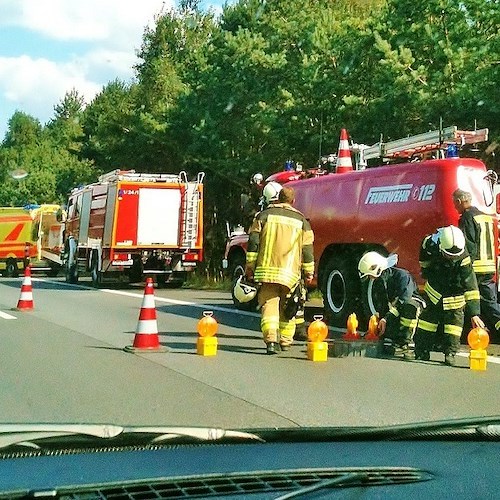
[25,302]
[344,162]
[146,333]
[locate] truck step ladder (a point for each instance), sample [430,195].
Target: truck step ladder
[191,210]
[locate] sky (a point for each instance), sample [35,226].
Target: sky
[49,47]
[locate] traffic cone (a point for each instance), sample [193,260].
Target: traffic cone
[344,162]
[146,333]
[25,302]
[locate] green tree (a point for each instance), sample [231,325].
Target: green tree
[23,130]
[428,61]
[66,129]
[52,170]
[106,124]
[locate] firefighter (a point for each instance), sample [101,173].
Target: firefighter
[280,251]
[398,325]
[451,289]
[251,199]
[480,242]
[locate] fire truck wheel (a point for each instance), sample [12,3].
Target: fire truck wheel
[11,270]
[54,270]
[135,272]
[236,266]
[71,273]
[95,274]
[341,290]
[375,298]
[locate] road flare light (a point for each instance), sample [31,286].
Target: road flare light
[352,328]
[478,340]
[317,348]
[372,333]
[207,341]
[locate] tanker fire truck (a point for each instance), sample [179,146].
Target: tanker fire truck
[130,224]
[30,234]
[388,208]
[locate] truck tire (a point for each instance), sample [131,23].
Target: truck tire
[341,291]
[375,298]
[71,271]
[95,274]
[174,280]
[70,260]
[135,272]
[11,269]
[54,270]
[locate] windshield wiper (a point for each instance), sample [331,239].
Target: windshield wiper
[485,428]
[34,435]
[343,480]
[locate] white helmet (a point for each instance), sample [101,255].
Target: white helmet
[451,241]
[243,291]
[271,191]
[373,264]
[257,179]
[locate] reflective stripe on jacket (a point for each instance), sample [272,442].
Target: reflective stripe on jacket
[478,229]
[452,281]
[280,245]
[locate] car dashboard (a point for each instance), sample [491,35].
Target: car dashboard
[437,468]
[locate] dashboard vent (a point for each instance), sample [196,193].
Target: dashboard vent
[244,484]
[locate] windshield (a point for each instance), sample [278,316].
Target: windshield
[207,157]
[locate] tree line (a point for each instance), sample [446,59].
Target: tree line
[265,82]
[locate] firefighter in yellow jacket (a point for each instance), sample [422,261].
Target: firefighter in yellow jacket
[279,253]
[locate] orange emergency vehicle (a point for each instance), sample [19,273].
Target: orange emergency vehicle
[30,234]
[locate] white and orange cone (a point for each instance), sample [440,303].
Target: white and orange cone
[25,302]
[344,162]
[146,333]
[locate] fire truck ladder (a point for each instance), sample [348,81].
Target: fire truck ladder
[131,175]
[416,144]
[191,209]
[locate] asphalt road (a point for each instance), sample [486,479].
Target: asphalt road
[64,361]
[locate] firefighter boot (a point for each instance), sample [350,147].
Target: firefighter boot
[407,345]
[300,330]
[408,353]
[451,346]
[272,348]
[449,359]
[388,348]
[423,343]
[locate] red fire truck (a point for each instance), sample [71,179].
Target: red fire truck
[388,208]
[131,224]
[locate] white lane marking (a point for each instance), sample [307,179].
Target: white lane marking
[181,302]
[6,316]
[489,359]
